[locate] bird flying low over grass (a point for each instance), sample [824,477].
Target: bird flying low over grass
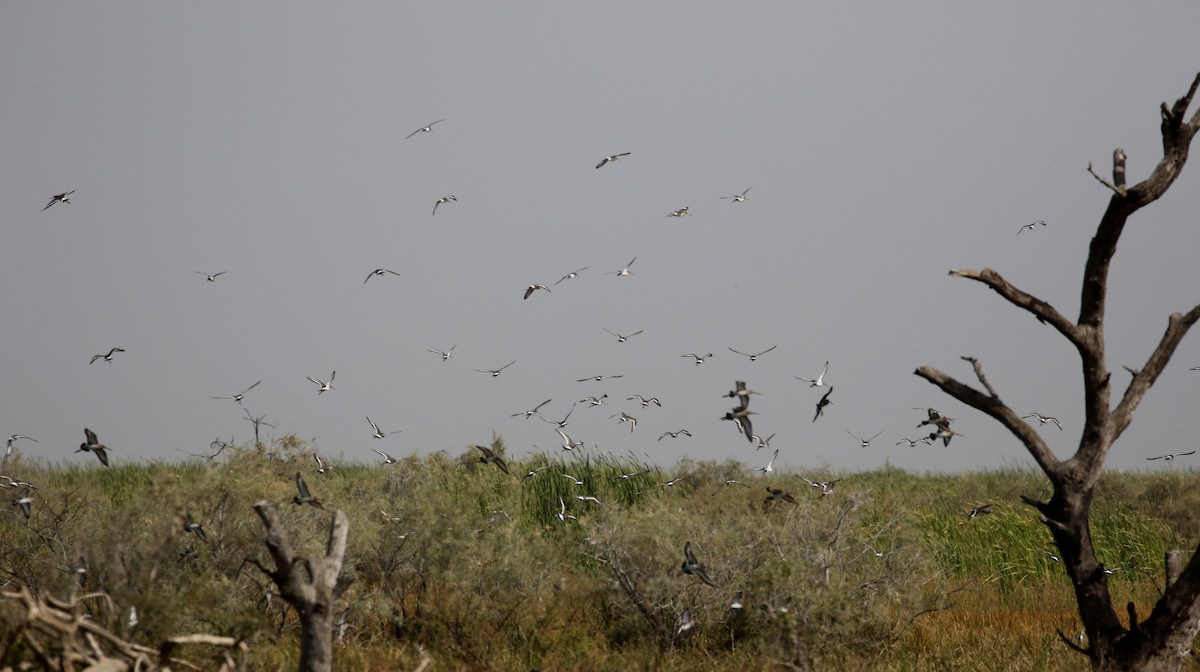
[93,445]
[490,457]
[304,496]
[1170,456]
[692,567]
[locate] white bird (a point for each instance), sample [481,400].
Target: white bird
[624,271]
[866,443]
[321,467]
[598,378]
[770,465]
[496,372]
[562,512]
[674,435]
[387,459]
[621,338]
[322,385]
[819,381]
[577,481]
[1043,419]
[64,197]
[572,274]
[211,277]
[533,288]
[913,444]
[1171,456]
[445,355]
[560,423]
[108,357]
[680,212]
[13,439]
[379,271]
[377,432]
[738,198]
[755,356]
[444,199]
[533,411]
[1030,226]
[594,400]
[644,401]
[608,159]
[625,417]
[238,397]
[568,443]
[427,128]
[699,358]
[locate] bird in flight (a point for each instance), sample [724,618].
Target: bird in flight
[241,395]
[22,501]
[93,444]
[625,417]
[866,443]
[108,357]
[211,277]
[682,212]
[65,197]
[727,482]
[572,274]
[819,381]
[1171,456]
[496,372]
[698,358]
[8,446]
[760,442]
[304,496]
[562,512]
[568,444]
[427,128]
[1043,419]
[776,493]
[490,457]
[674,435]
[387,459]
[321,467]
[738,198]
[742,393]
[913,444]
[622,338]
[380,271]
[445,355]
[741,418]
[823,403]
[945,434]
[444,199]
[533,411]
[935,418]
[594,400]
[598,378]
[691,566]
[533,288]
[770,465]
[379,433]
[322,385]
[755,356]
[559,423]
[644,401]
[1030,227]
[608,159]
[624,271]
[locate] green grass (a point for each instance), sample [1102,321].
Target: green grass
[450,554]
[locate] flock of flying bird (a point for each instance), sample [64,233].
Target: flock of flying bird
[740,415]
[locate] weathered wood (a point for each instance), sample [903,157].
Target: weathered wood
[310,586]
[1162,641]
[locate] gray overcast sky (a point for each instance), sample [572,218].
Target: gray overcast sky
[884,144]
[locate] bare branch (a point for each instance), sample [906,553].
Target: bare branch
[998,410]
[1177,327]
[982,378]
[1044,312]
[1119,191]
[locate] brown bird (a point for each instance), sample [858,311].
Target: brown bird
[823,403]
[490,457]
[93,444]
[305,497]
[691,566]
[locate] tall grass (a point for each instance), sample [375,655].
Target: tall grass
[887,572]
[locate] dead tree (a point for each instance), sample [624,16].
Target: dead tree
[1163,640]
[310,586]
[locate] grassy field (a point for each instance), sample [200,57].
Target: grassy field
[887,572]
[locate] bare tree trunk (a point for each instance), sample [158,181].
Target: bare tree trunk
[310,586]
[1163,641]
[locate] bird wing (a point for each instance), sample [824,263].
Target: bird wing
[91,437]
